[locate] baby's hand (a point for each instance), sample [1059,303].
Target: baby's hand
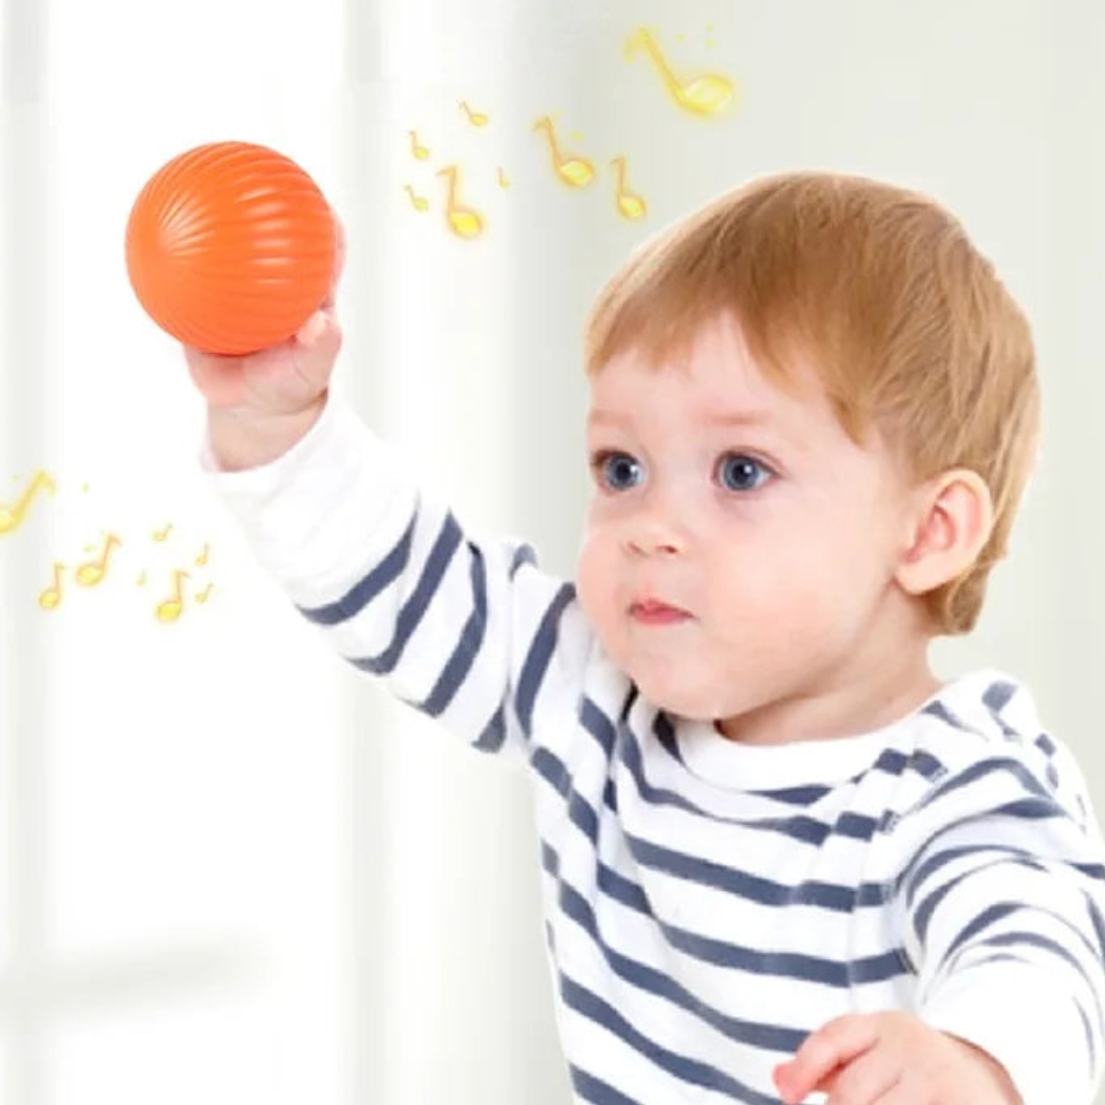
[284,379]
[259,405]
[892,1059]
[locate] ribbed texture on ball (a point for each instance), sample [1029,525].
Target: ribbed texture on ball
[230,247]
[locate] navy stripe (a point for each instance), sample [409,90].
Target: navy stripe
[831,896]
[939,710]
[1033,939]
[1001,910]
[592,718]
[776,1038]
[840,899]
[799,827]
[580,812]
[692,1071]
[494,732]
[987,767]
[914,877]
[997,695]
[523,554]
[828,972]
[540,653]
[589,1088]
[803,828]
[471,638]
[411,612]
[366,589]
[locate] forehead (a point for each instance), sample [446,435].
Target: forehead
[714,378]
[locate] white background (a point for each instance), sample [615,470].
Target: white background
[230,870]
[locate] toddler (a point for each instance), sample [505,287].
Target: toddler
[780,858]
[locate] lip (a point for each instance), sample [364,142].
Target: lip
[654,612]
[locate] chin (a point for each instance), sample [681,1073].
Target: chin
[688,702]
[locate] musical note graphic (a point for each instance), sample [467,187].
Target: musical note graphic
[463,221]
[12,514]
[576,171]
[202,595]
[141,581]
[50,598]
[93,571]
[630,205]
[705,95]
[417,202]
[161,534]
[477,119]
[503,182]
[169,609]
[419,151]
[201,560]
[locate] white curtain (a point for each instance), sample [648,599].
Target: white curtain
[230,869]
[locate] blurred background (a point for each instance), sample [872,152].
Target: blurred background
[230,869]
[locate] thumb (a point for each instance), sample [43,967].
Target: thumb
[315,347]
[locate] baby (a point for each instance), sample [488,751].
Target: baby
[779,857]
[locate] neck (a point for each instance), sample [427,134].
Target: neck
[881,680]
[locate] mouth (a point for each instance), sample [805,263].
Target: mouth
[654,612]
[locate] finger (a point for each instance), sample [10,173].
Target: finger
[864,1080]
[216,376]
[900,1093]
[831,1046]
[339,262]
[315,348]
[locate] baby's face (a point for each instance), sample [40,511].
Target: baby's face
[740,546]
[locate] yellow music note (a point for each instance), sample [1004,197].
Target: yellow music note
[93,571]
[503,182]
[417,202]
[12,514]
[419,151]
[51,596]
[161,534]
[142,578]
[201,560]
[630,205]
[463,221]
[705,95]
[169,609]
[477,119]
[202,595]
[576,171]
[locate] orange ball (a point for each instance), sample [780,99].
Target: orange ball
[231,247]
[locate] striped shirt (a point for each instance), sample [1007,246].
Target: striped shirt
[709,904]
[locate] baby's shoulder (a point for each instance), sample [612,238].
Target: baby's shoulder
[983,735]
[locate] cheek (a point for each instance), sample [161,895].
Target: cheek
[593,577]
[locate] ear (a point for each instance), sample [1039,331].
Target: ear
[949,526]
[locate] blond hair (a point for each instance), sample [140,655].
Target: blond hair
[910,329]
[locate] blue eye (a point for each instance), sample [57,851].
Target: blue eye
[617,471]
[740,472]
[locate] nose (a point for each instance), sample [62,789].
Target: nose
[654,530]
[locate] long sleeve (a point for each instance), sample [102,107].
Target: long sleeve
[1003,908]
[469,631]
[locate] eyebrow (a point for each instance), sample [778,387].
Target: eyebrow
[717,418]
